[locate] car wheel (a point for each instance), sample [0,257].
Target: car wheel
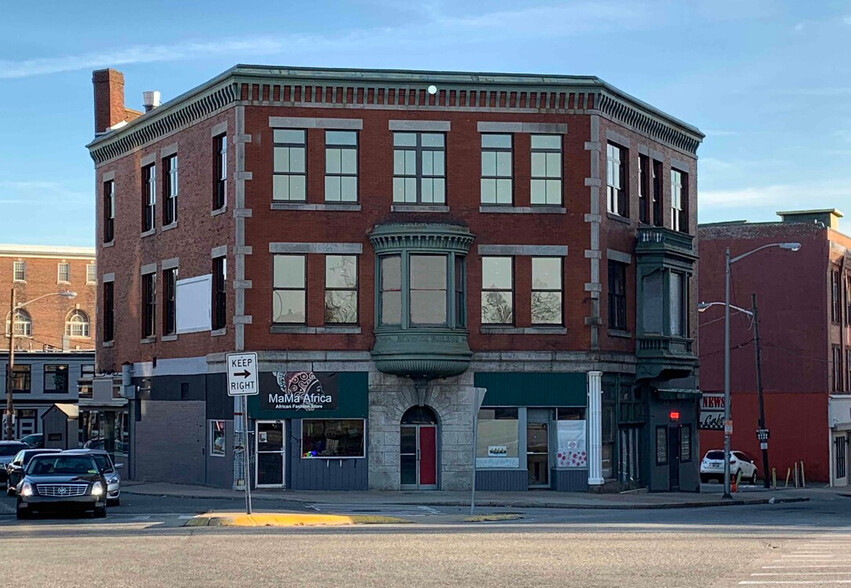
[100,513]
[23,514]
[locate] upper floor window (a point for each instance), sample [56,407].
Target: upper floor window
[391,289]
[836,361]
[644,189]
[23,324]
[428,289]
[220,171]
[617,295]
[679,187]
[149,305]
[149,197]
[835,299]
[341,289]
[21,378]
[63,272]
[419,170]
[108,311]
[290,165]
[545,184]
[55,379]
[421,290]
[678,304]
[617,180]
[658,218]
[170,301]
[77,324]
[91,273]
[289,289]
[341,166]
[546,290]
[219,303]
[664,302]
[497,290]
[496,169]
[108,211]
[848,301]
[19,271]
[84,385]
[170,190]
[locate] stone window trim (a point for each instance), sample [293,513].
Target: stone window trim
[523,250]
[299,122]
[418,208]
[509,209]
[509,330]
[428,126]
[326,207]
[317,248]
[619,256]
[521,127]
[172,263]
[616,137]
[168,151]
[219,129]
[280,329]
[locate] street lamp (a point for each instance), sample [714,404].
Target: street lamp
[728,425]
[14,308]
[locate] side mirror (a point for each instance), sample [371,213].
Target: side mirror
[119,466]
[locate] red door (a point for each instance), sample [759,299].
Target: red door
[428,456]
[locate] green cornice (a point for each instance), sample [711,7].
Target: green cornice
[445,238]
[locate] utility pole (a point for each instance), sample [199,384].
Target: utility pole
[762,433]
[10,408]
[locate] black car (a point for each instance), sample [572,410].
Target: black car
[61,483]
[15,468]
[8,450]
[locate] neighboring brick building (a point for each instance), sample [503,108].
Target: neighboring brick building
[393,244]
[804,328]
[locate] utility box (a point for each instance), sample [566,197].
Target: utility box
[60,426]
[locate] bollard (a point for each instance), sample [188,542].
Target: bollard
[774,478]
[796,474]
[803,479]
[788,473]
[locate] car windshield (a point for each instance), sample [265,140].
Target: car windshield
[103,462]
[11,449]
[19,457]
[62,464]
[715,455]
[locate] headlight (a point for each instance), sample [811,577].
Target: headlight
[97,489]
[113,480]
[26,489]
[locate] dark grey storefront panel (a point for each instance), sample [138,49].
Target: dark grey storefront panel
[565,480]
[533,388]
[170,442]
[502,480]
[220,468]
[689,472]
[324,474]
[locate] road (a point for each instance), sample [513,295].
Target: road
[142,543]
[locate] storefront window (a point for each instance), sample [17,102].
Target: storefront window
[326,438]
[217,438]
[572,451]
[661,445]
[498,438]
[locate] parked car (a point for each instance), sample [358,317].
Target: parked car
[60,482]
[712,466]
[8,450]
[35,440]
[15,468]
[108,469]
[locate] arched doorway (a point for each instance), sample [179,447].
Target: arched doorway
[418,449]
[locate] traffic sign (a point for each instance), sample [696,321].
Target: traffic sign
[242,374]
[762,434]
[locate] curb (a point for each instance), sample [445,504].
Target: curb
[288,520]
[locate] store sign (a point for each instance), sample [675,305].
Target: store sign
[712,412]
[497,451]
[571,445]
[307,391]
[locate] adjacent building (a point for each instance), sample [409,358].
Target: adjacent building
[408,253]
[804,309]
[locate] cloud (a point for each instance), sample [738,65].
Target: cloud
[847,19]
[40,192]
[810,195]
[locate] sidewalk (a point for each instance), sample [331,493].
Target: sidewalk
[530,499]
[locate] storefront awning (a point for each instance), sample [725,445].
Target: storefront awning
[679,393]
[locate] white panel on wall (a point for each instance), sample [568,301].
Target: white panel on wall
[194,301]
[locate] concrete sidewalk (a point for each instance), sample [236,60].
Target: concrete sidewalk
[530,499]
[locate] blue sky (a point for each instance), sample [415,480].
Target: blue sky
[769,82]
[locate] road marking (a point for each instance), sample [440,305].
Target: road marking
[799,573]
[803,565]
[775,582]
[412,510]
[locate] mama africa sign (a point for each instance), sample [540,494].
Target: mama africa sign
[307,391]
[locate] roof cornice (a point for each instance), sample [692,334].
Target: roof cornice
[11,250]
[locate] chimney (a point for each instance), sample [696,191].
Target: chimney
[151,99]
[109,99]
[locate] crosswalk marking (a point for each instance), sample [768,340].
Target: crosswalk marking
[808,563]
[375,509]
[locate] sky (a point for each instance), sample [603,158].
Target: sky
[768,82]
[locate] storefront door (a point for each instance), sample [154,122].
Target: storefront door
[629,456]
[674,457]
[538,448]
[270,454]
[418,450]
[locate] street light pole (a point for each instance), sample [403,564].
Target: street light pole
[10,408]
[763,444]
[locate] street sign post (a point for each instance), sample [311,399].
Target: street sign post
[242,382]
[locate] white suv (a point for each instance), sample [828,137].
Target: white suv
[712,466]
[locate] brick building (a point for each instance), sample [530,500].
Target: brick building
[804,328]
[397,247]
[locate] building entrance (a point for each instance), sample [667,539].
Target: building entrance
[270,451]
[418,449]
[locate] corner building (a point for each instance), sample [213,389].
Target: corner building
[398,246]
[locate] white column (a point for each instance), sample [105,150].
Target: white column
[595,428]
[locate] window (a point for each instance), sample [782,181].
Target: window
[149,197]
[848,299]
[220,171]
[170,190]
[835,311]
[170,301]
[63,272]
[332,438]
[839,459]
[617,295]
[497,438]
[341,166]
[837,368]
[19,271]
[677,301]
[108,211]
[617,180]
[84,385]
[149,305]
[428,289]
[91,273]
[288,182]
[220,272]
[679,187]
[460,293]
[546,291]
[55,379]
[288,297]
[685,443]
[546,169]
[218,435]
[108,310]
[77,324]
[848,369]
[391,290]
[419,174]
[643,189]
[497,291]
[21,378]
[571,429]
[496,169]
[661,445]
[341,289]
[23,324]
[658,220]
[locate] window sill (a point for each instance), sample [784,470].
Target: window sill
[219,332]
[419,208]
[620,333]
[168,338]
[327,330]
[619,218]
[507,209]
[23,281]
[219,211]
[108,243]
[149,232]
[169,226]
[341,207]
[147,340]
[495,330]
[107,344]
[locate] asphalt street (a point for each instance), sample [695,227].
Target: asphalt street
[143,543]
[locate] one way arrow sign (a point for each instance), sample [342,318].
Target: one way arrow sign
[242,374]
